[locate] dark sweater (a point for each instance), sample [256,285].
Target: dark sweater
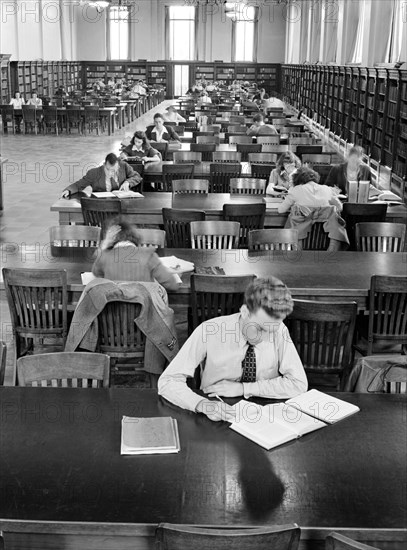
[337,176]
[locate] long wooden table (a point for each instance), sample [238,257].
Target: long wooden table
[149,209]
[61,461]
[339,276]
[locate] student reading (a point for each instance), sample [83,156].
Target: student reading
[249,353]
[112,175]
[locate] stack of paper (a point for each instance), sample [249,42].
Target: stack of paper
[117,195]
[176,265]
[149,436]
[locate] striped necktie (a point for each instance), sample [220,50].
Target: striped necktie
[249,365]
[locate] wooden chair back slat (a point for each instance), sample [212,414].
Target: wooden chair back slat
[206,150]
[190,186]
[187,156]
[247,186]
[208,139]
[335,541]
[176,171]
[262,158]
[97,212]
[354,213]
[380,237]
[243,139]
[221,174]
[262,170]
[268,140]
[65,238]
[177,226]
[316,239]
[323,333]
[151,237]
[65,369]
[250,216]
[214,234]
[273,239]
[245,149]
[227,156]
[180,537]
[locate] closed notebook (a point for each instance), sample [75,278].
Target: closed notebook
[149,436]
[272,425]
[323,406]
[117,194]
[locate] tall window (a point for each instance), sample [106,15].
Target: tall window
[244,32]
[118,32]
[181,25]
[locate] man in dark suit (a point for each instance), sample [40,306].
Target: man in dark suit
[114,174]
[160,133]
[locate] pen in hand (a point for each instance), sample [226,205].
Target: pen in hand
[217,397]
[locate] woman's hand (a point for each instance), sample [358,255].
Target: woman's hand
[125,186]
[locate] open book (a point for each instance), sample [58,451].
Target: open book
[272,425]
[117,194]
[176,265]
[142,436]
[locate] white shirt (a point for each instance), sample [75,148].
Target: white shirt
[173,117]
[221,343]
[205,99]
[311,194]
[37,102]
[17,103]
[159,134]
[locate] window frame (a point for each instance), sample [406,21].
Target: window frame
[255,37]
[108,34]
[167,34]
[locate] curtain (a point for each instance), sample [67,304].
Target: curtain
[356,51]
[330,34]
[394,43]
[304,33]
[315,25]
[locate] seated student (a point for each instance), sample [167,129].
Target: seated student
[140,148]
[281,176]
[260,128]
[112,175]
[34,100]
[350,170]
[249,353]
[204,99]
[139,88]
[306,191]
[159,132]
[273,103]
[61,92]
[122,258]
[17,101]
[172,116]
[248,102]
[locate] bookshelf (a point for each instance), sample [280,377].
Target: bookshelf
[44,76]
[205,71]
[5,78]
[157,74]
[362,105]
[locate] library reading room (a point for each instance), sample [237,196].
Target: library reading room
[182,179]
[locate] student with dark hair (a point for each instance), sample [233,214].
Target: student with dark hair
[249,353]
[307,191]
[140,148]
[260,128]
[160,133]
[280,179]
[114,174]
[350,170]
[122,258]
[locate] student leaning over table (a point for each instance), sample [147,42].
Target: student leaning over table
[114,174]
[249,353]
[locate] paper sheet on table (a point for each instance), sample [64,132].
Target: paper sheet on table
[87,277]
[176,265]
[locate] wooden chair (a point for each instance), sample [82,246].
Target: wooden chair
[215,234]
[177,226]
[227,156]
[207,139]
[67,238]
[234,140]
[179,129]
[321,158]
[187,156]
[323,334]
[301,141]
[74,118]
[250,216]
[184,537]
[31,116]
[96,212]
[308,149]
[380,237]
[190,126]
[91,119]
[354,213]
[387,320]
[237,129]
[221,174]
[38,300]
[273,239]
[262,158]
[261,171]
[151,237]
[120,338]
[276,149]
[7,117]
[64,370]
[316,239]
[206,150]
[245,149]
[247,186]
[268,140]
[395,379]
[171,172]
[190,186]
[237,119]
[3,359]
[334,541]
[50,119]
[216,295]
[323,171]
[214,128]
[162,148]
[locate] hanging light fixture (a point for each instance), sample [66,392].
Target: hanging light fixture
[99,4]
